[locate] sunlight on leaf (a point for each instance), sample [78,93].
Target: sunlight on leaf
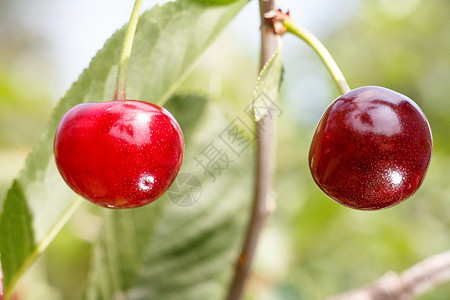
[268,87]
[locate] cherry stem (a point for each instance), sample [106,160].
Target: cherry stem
[121,84]
[320,49]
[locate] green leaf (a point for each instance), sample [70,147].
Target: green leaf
[174,250]
[169,40]
[268,87]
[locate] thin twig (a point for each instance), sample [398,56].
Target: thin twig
[262,204]
[411,283]
[321,50]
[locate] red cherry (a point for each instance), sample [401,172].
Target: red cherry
[119,154]
[371,148]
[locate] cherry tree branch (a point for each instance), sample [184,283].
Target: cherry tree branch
[411,283]
[263,205]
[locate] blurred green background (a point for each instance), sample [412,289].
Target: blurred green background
[311,247]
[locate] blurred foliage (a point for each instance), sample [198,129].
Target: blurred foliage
[312,247]
[25,103]
[23,111]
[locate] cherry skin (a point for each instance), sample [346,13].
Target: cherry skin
[371,149]
[119,154]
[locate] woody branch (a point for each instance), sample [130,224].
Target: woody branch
[411,283]
[262,203]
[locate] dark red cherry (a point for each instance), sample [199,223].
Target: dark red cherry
[371,148]
[119,154]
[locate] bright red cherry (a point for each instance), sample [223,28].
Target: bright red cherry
[119,154]
[371,148]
